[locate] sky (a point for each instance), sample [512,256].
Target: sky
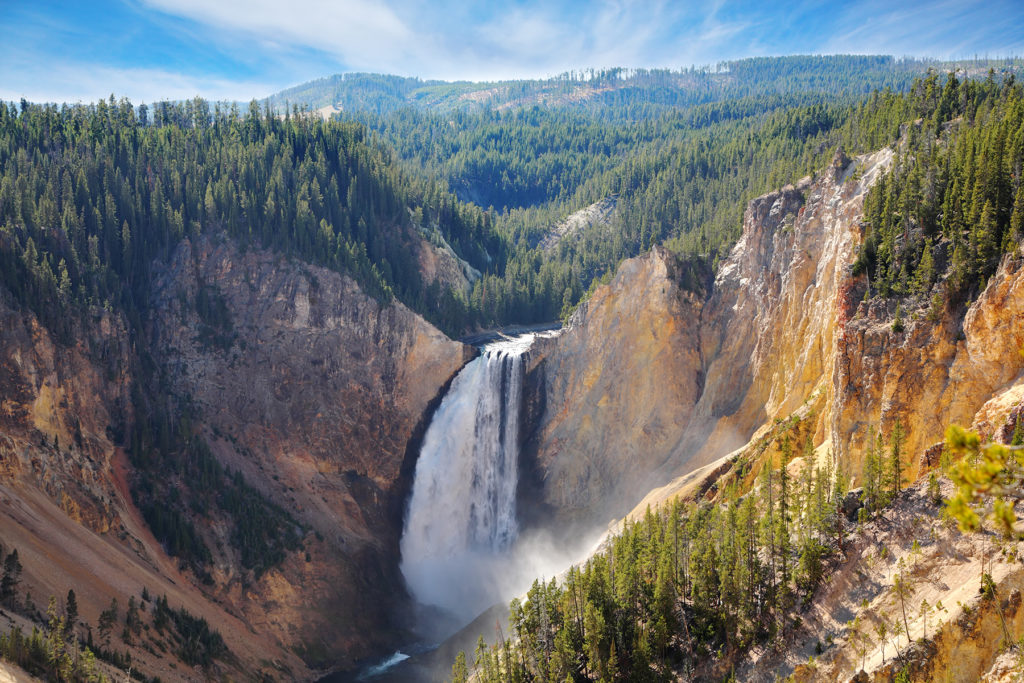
[147,50]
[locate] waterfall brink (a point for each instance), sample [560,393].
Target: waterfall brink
[461,521]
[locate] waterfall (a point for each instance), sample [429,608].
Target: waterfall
[461,521]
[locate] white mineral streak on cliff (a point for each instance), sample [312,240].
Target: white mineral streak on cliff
[771,326]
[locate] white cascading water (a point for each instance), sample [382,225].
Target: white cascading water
[461,521]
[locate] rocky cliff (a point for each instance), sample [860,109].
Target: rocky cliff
[313,391]
[612,392]
[944,367]
[315,398]
[653,379]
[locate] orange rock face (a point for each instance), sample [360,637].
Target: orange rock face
[616,387]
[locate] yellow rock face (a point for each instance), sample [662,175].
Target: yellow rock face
[934,373]
[651,382]
[618,385]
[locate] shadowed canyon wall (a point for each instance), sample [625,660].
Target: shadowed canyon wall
[309,388]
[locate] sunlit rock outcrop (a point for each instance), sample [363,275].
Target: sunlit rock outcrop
[652,380]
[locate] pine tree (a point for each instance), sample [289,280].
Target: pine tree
[986,239]
[875,495]
[782,533]
[768,526]
[58,662]
[108,618]
[882,631]
[12,576]
[924,276]
[902,589]
[925,610]
[896,440]
[71,611]
[1017,216]
[460,674]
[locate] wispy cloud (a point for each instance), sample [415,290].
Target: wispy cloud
[362,31]
[248,48]
[944,29]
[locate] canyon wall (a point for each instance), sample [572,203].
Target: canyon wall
[312,390]
[652,379]
[314,397]
[608,396]
[944,367]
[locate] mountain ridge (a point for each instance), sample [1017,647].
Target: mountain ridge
[836,74]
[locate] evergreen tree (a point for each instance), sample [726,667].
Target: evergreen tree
[107,620]
[782,534]
[11,578]
[460,674]
[896,439]
[71,611]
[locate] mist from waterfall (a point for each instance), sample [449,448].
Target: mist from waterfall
[461,549]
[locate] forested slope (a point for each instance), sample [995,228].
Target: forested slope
[91,194]
[680,176]
[624,93]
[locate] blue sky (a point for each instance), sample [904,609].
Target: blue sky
[68,50]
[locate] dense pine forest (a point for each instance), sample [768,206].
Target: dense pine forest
[955,201]
[91,194]
[692,579]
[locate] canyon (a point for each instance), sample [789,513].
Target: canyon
[669,368]
[321,398]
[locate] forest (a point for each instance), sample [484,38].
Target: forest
[723,570]
[954,204]
[90,195]
[682,178]
[623,93]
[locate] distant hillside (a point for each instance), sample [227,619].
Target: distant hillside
[651,90]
